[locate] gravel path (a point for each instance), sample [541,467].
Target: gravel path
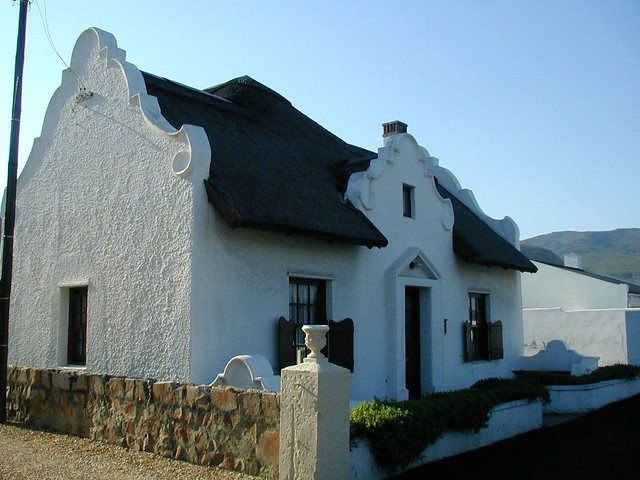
[34,454]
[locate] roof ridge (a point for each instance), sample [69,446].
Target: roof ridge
[599,275]
[246,81]
[185,86]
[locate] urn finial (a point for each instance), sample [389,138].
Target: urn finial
[315,339]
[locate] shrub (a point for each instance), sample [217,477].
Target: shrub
[369,416]
[394,430]
[398,432]
[601,374]
[612,372]
[515,388]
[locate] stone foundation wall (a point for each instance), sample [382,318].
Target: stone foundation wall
[226,427]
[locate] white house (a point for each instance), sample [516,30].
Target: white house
[162,230]
[594,314]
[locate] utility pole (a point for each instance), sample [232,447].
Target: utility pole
[10,210]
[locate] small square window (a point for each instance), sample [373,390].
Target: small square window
[407,201]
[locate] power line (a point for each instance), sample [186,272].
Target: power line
[47,32]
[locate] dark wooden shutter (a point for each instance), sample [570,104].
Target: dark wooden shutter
[286,342]
[469,349]
[340,343]
[495,338]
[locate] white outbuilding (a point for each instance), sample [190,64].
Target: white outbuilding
[593,313]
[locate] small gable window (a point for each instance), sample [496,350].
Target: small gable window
[407,201]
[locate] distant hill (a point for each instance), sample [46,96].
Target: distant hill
[615,253]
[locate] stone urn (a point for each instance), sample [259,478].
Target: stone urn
[315,339]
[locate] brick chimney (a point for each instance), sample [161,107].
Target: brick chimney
[393,128]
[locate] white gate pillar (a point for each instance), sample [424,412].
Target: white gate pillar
[314,415]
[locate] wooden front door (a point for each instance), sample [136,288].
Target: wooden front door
[412,341]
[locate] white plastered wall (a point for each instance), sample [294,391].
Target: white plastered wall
[611,334]
[553,287]
[105,200]
[587,313]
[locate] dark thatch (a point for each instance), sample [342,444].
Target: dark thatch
[540,254]
[476,242]
[272,168]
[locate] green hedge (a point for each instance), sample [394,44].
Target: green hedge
[602,374]
[398,432]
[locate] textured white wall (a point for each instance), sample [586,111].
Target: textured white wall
[100,205]
[601,333]
[241,288]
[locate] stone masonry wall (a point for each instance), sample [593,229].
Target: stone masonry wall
[226,427]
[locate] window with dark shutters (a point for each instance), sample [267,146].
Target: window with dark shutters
[483,339]
[307,306]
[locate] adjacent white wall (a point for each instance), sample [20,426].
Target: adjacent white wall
[611,334]
[553,287]
[589,314]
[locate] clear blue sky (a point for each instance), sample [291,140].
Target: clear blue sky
[535,106]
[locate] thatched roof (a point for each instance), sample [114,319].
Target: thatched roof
[272,168]
[476,242]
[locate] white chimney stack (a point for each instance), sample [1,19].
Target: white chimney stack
[573,260]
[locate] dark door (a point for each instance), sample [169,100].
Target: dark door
[412,340]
